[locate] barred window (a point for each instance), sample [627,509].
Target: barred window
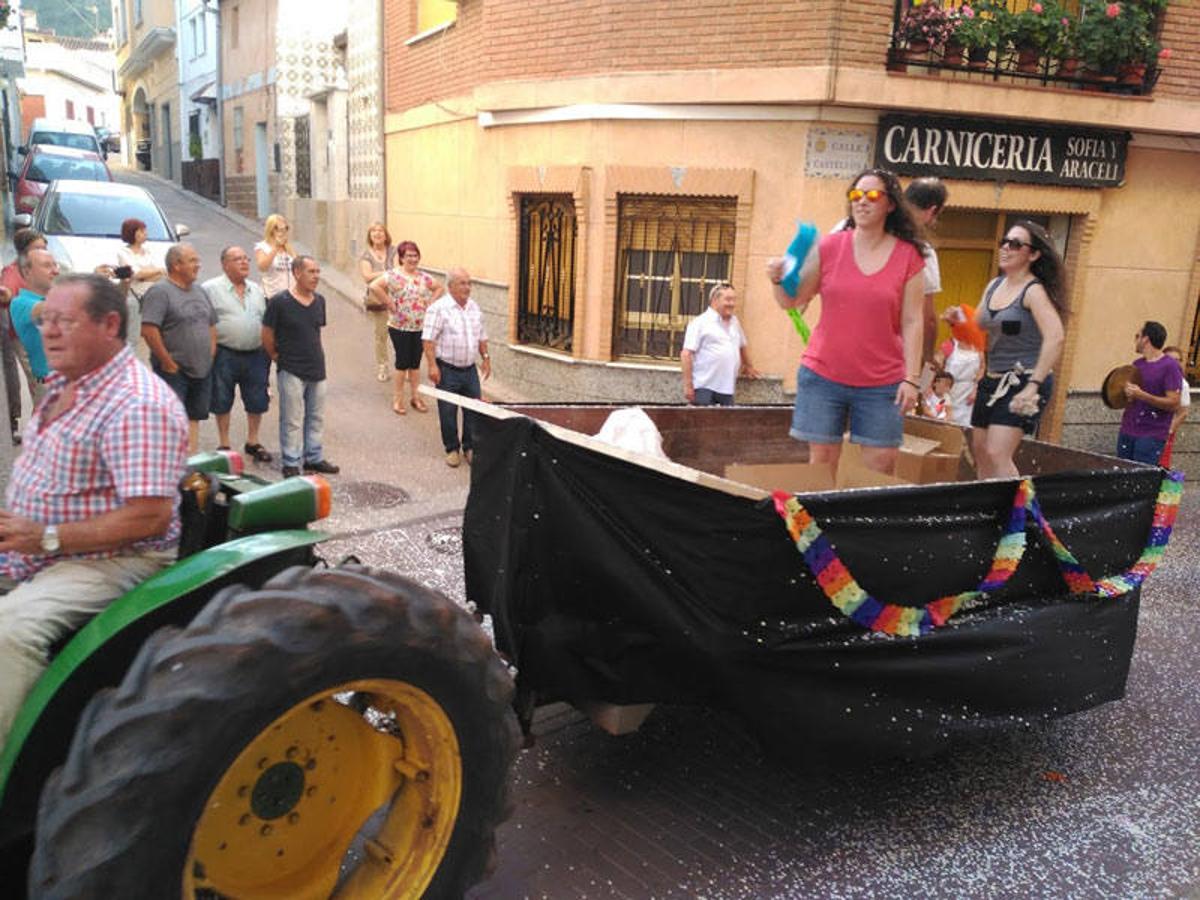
[546,287]
[1191,362]
[303,157]
[670,253]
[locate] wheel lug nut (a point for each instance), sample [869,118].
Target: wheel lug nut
[265,830]
[293,818]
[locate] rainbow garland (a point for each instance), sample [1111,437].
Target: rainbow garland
[848,596]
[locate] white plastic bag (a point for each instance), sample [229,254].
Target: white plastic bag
[632,429]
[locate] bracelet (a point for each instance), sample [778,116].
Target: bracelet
[1035,381]
[912,384]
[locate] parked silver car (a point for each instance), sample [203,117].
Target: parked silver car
[82,222]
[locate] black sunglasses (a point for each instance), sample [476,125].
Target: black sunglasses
[1013,243]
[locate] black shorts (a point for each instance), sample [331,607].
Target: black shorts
[407,345]
[998,413]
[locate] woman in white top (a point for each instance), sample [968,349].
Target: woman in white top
[1181,411]
[274,255]
[147,266]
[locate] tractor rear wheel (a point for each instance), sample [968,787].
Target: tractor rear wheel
[339,731]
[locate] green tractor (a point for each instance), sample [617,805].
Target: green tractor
[250,723]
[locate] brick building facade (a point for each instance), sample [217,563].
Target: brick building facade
[556,149]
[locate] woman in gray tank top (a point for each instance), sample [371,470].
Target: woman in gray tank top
[1022,313]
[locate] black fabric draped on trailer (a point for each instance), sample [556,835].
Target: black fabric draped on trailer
[610,581]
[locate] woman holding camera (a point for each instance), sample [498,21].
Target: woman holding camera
[140,267]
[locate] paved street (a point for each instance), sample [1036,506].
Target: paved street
[1102,804]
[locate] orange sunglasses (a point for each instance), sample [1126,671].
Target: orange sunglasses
[874,195]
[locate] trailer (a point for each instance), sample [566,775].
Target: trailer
[845,613]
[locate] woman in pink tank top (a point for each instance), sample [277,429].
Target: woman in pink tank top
[863,363]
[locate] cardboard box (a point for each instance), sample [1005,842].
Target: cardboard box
[930,453]
[797,478]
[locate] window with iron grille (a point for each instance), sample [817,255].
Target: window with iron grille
[1191,362]
[546,289]
[670,253]
[303,159]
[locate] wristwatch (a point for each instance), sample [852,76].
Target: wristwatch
[50,541]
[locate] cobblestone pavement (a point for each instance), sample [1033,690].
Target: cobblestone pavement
[1101,804]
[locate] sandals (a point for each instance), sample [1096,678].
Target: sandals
[398,407]
[259,452]
[419,405]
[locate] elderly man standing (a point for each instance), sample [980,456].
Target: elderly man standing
[714,351]
[241,361]
[179,326]
[92,504]
[291,335]
[453,335]
[39,269]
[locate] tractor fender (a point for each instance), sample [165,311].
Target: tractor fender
[99,654]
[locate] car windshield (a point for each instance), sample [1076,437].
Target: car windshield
[91,215]
[63,139]
[46,168]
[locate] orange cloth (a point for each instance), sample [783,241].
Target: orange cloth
[968,331]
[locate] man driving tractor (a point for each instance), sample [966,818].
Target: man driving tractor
[91,508]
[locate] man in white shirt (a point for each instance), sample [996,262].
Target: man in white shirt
[714,351]
[927,197]
[240,362]
[454,335]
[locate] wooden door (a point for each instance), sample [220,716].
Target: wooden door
[965,273]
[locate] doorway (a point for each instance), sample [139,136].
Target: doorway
[262,193]
[968,252]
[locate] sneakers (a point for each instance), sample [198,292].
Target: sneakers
[291,472]
[453,459]
[322,467]
[381,373]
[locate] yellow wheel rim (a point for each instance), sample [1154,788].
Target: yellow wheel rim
[280,821]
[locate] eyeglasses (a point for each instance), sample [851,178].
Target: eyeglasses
[65,325]
[874,195]
[1013,243]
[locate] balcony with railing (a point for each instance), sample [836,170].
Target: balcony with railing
[1089,45]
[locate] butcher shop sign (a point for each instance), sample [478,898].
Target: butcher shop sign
[1001,151]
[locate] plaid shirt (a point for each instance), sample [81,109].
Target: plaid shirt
[455,330]
[125,436]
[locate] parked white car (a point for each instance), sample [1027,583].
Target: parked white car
[82,222]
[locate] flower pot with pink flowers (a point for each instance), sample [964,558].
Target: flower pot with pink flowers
[924,27]
[975,29]
[1033,32]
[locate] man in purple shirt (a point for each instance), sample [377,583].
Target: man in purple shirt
[1146,423]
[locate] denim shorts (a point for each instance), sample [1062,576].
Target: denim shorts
[195,393]
[823,408]
[247,370]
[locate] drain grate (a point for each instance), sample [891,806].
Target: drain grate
[370,494]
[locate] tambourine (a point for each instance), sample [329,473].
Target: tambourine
[1112,392]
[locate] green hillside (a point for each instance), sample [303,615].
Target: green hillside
[73,18]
